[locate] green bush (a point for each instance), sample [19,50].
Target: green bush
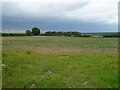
[111,35]
[14,34]
[54,33]
[28,32]
[5,34]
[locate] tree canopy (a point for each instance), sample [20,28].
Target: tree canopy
[36,31]
[28,32]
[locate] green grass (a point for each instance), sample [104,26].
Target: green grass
[27,69]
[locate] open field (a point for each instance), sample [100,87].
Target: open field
[60,62]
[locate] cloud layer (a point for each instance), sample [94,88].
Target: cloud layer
[51,13]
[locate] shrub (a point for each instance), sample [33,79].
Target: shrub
[14,34]
[28,32]
[5,34]
[54,33]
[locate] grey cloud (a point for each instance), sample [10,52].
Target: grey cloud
[54,24]
[19,17]
[77,5]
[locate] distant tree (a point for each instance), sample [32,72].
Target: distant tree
[49,33]
[28,32]
[54,32]
[70,33]
[36,31]
[76,33]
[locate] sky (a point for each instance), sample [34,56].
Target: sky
[60,15]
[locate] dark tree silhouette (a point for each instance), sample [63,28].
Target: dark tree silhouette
[36,31]
[28,32]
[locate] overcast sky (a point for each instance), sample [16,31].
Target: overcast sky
[60,15]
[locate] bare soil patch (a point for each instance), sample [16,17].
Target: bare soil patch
[63,50]
[63,56]
[45,36]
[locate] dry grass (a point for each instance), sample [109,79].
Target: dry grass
[63,50]
[54,44]
[26,38]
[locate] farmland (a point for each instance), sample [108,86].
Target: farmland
[60,62]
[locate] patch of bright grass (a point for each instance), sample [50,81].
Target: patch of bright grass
[27,69]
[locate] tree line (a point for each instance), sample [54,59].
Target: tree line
[36,31]
[54,33]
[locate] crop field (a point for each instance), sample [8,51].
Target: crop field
[59,62]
